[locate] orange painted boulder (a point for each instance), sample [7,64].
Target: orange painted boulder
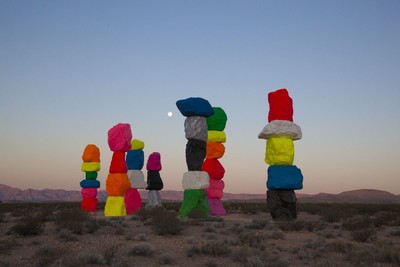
[215,150]
[91,153]
[117,184]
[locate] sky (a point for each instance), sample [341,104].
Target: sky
[71,70]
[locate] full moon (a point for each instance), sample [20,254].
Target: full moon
[170,114]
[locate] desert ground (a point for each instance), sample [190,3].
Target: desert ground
[59,234]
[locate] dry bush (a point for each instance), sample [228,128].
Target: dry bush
[357,222]
[141,249]
[362,235]
[48,255]
[166,222]
[253,239]
[385,218]
[297,225]
[75,220]
[67,235]
[166,259]
[211,248]
[7,245]
[29,224]
[110,253]
[257,224]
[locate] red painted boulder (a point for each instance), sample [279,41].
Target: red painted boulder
[133,201]
[280,106]
[214,168]
[89,204]
[118,163]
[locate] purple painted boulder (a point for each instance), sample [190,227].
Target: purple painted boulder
[216,207]
[119,137]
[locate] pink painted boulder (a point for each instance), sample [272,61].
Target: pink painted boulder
[154,162]
[119,137]
[216,189]
[89,192]
[133,201]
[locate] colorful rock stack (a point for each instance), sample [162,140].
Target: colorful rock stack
[215,150]
[283,177]
[154,181]
[117,183]
[135,162]
[195,181]
[91,166]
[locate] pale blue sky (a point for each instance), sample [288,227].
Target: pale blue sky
[70,70]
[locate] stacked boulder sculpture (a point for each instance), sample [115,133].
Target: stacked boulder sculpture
[215,150]
[117,183]
[134,163]
[91,166]
[154,181]
[282,176]
[195,180]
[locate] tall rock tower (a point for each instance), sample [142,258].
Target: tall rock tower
[90,165]
[117,183]
[195,180]
[282,176]
[215,150]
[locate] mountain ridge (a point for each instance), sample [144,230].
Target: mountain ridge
[11,194]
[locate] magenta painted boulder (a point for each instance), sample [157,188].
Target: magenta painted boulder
[89,192]
[216,207]
[119,137]
[154,162]
[216,189]
[133,201]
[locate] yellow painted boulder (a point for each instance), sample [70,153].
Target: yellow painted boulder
[280,151]
[115,206]
[90,166]
[216,136]
[137,144]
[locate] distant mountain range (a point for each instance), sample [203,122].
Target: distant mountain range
[11,194]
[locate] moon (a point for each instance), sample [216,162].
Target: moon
[169,114]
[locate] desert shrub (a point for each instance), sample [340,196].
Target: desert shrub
[362,256]
[211,248]
[75,220]
[141,249]
[67,235]
[29,224]
[237,228]
[297,225]
[362,235]
[339,246]
[252,239]
[209,228]
[110,253]
[247,256]
[166,223]
[197,214]
[394,233]
[48,255]
[357,222]
[141,237]
[385,218]
[257,224]
[165,258]
[7,244]
[251,208]
[277,235]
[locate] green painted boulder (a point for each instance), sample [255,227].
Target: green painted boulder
[194,202]
[217,122]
